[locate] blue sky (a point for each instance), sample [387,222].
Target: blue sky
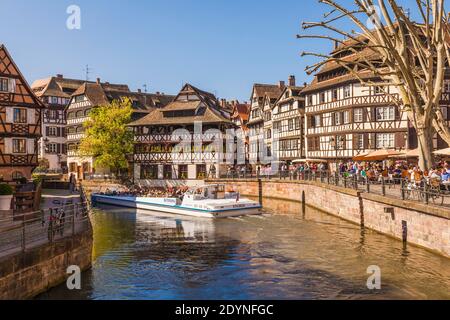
[220,46]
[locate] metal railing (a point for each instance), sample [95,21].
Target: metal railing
[26,231]
[427,191]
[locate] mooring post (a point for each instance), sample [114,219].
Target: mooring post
[303,203]
[402,186]
[260,191]
[383,186]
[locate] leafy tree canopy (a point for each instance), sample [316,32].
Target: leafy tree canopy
[107,137]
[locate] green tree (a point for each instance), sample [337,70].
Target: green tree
[106,136]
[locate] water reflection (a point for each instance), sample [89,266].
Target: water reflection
[282,254]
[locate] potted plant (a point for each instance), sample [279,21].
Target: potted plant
[6,195]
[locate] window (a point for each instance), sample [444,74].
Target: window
[297,123]
[322,97]
[346,117]
[182,172]
[167,172]
[52,148]
[337,118]
[80,114]
[359,141]
[149,172]
[16,175]
[385,113]
[53,131]
[79,98]
[335,94]
[201,171]
[347,91]
[318,120]
[269,134]
[19,146]
[4,84]
[54,100]
[310,100]
[314,144]
[447,86]
[385,140]
[291,124]
[377,90]
[340,145]
[70,115]
[20,115]
[53,114]
[358,115]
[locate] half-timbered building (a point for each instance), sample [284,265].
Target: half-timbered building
[345,118]
[55,93]
[262,98]
[186,140]
[21,124]
[288,123]
[239,116]
[83,100]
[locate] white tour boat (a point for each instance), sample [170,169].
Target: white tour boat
[209,201]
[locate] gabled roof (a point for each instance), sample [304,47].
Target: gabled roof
[298,94]
[104,93]
[205,107]
[24,94]
[241,110]
[271,90]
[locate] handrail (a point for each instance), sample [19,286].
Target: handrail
[401,188]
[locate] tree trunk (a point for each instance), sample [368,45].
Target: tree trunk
[425,139]
[441,126]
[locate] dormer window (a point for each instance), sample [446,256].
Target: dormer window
[79,98]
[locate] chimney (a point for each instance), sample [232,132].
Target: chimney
[98,81]
[292,81]
[158,93]
[139,91]
[223,103]
[59,76]
[281,84]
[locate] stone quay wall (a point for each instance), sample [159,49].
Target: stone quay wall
[413,222]
[26,275]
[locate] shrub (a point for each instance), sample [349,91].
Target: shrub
[5,190]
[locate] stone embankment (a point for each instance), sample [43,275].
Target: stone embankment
[410,221]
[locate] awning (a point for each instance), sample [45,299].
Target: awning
[443,152]
[360,157]
[413,153]
[310,160]
[381,155]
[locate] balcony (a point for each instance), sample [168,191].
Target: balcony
[354,101]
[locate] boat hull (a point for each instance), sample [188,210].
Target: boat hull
[168,206]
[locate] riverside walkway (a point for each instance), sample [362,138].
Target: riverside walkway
[63,214]
[437,196]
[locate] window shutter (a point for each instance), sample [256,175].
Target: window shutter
[12,85]
[400,140]
[333,119]
[58,148]
[309,121]
[366,141]
[373,114]
[355,141]
[397,113]
[47,131]
[64,149]
[58,132]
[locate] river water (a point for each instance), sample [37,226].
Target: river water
[282,254]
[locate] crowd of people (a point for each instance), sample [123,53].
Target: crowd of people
[145,191]
[392,171]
